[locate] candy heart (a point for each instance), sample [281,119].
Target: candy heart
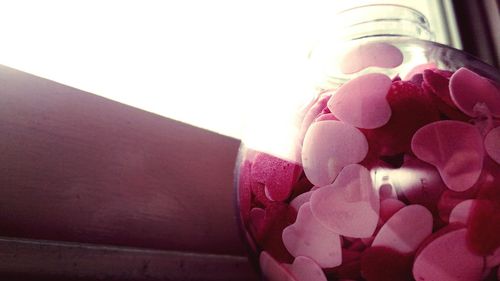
[259,195]
[439,84]
[467,89]
[419,182]
[402,236]
[450,199]
[328,147]
[492,144]
[455,148]
[314,112]
[493,259]
[389,207]
[436,86]
[305,269]
[277,216]
[300,200]
[308,237]
[447,258]
[362,102]
[371,54]
[327,116]
[484,218]
[419,69]
[256,223]
[461,211]
[349,206]
[272,270]
[384,264]
[276,174]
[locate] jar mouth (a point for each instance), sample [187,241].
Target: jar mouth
[382,20]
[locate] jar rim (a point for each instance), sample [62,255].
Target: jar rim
[383,20]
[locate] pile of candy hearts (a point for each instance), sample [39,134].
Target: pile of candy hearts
[398,180]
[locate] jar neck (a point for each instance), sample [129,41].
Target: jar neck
[382,20]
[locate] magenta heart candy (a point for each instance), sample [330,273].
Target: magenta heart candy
[349,206]
[362,101]
[273,270]
[400,235]
[461,211]
[492,144]
[308,237]
[256,222]
[447,258]
[455,148]
[469,89]
[371,54]
[305,269]
[493,259]
[276,174]
[438,83]
[328,147]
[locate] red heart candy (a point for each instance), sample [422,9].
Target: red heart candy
[277,217]
[385,264]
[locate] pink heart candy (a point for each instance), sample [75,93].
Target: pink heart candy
[362,101]
[273,270]
[276,174]
[328,147]
[300,200]
[468,89]
[327,116]
[461,211]
[371,54]
[405,230]
[308,237]
[305,269]
[349,206]
[447,258]
[389,207]
[314,112]
[455,148]
[492,144]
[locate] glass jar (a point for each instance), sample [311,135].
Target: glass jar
[392,169]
